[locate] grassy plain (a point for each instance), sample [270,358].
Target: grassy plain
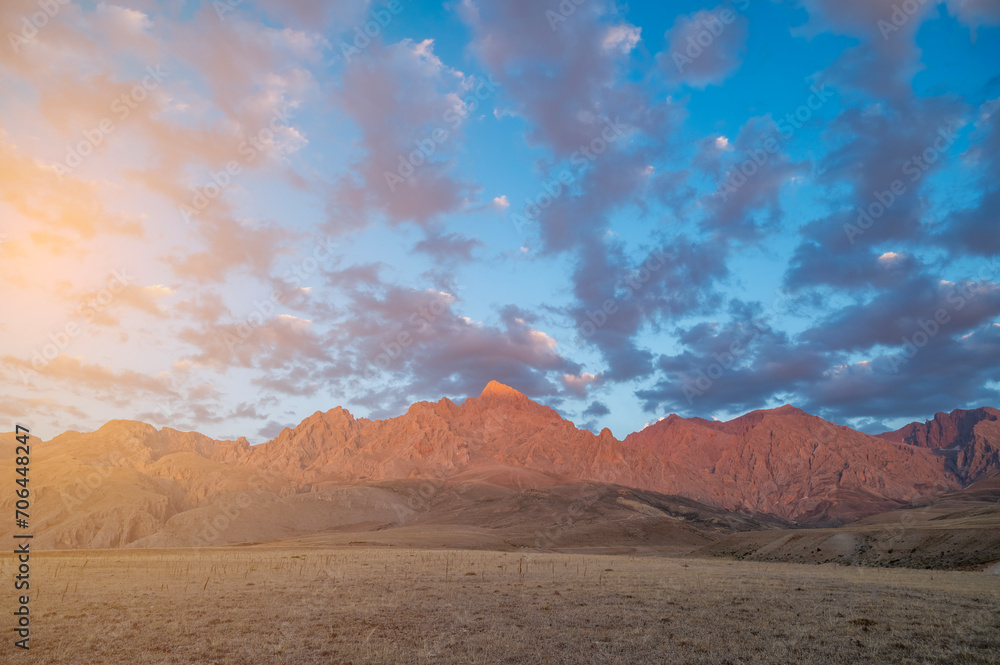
[362,604]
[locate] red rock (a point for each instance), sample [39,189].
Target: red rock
[779,462]
[969,441]
[782,462]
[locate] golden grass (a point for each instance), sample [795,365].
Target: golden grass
[388,605]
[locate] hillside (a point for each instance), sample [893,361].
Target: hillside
[499,464]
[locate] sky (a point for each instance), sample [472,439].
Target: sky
[225,215]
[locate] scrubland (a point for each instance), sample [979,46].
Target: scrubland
[362,604]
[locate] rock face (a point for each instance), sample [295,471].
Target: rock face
[125,481]
[787,463]
[130,483]
[501,427]
[780,462]
[968,441]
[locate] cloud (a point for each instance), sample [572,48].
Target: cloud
[330,17]
[123,29]
[879,164]
[100,309]
[76,374]
[268,343]
[948,372]
[900,312]
[230,245]
[706,47]
[975,13]
[969,230]
[62,205]
[410,109]
[597,409]
[617,298]
[578,384]
[754,169]
[887,58]
[409,342]
[448,247]
[622,38]
[566,82]
[738,365]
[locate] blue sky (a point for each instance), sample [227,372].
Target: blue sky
[226,216]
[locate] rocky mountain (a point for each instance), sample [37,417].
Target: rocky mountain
[969,441]
[780,462]
[125,481]
[131,484]
[954,530]
[501,427]
[787,463]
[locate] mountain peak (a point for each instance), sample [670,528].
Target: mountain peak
[497,389]
[788,409]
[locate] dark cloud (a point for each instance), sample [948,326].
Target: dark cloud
[885,60]
[597,409]
[755,169]
[737,366]
[410,343]
[898,313]
[945,373]
[618,298]
[972,230]
[884,159]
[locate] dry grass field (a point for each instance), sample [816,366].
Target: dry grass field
[363,604]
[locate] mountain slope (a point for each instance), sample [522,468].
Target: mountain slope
[787,463]
[123,482]
[500,427]
[129,484]
[957,530]
[969,441]
[780,462]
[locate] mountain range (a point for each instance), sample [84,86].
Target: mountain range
[487,464]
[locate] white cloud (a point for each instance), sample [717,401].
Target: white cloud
[622,37]
[578,383]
